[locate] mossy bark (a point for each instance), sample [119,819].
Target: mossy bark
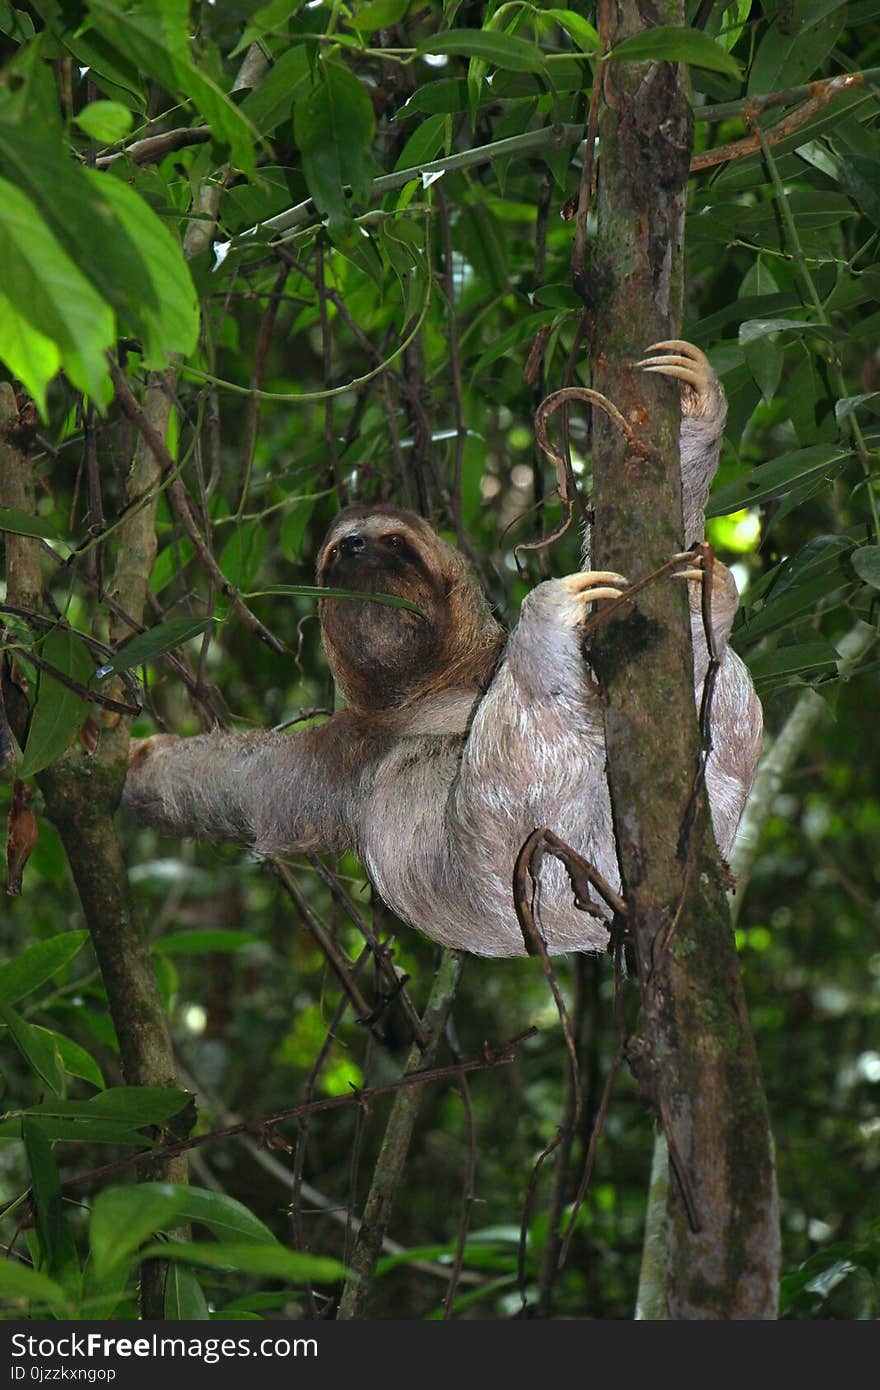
[698,1064]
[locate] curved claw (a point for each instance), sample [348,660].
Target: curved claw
[687,363]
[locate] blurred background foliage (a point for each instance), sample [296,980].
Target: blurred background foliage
[430,294]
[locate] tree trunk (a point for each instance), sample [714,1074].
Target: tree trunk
[696,1062]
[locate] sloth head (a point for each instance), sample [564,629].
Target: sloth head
[384,657]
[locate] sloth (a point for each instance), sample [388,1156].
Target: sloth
[455,742]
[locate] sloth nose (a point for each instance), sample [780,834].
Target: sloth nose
[353,544]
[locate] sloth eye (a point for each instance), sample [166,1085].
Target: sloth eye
[333,552]
[394,540]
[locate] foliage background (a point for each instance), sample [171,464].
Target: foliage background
[782,292]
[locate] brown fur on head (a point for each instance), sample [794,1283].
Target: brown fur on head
[382,657]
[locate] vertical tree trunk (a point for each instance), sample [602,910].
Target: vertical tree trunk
[696,1061]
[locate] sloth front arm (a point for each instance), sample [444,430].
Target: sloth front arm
[266,789]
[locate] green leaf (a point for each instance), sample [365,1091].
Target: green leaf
[812,657]
[577,28]
[500,50]
[224,1217]
[147,646]
[269,17]
[273,1260]
[764,358]
[28,353]
[39,1053]
[273,101]
[242,555]
[37,964]
[18,1281]
[75,1060]
[184,1297]
[848,405]
[333,126]
[138,1105]
[526,328]
[377,14]
[171,323]
[448,96]
[107,121]
[196,943]
[159,45]
[57,1248]
[124,1217]
[866,563]
[315,591]
[424,143]
[785,59]
[674,44]
[59,712]
[762,328]
[776,478]
[20,524]
[77,207]
[860,177]
[50,294]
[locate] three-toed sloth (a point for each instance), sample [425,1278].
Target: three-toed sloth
[457,742]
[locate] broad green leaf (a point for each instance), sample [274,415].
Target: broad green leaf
[525,328]
[21,524]
[823,555]
[273,101]
[242,555]
[75,1060]
[37,964]
[193,943]
[447,96]
[58,1255]
[777,477]
[860,177]
[764,358]
[59,712]
[866,563]
[333,126]
[785,59]
[579,31]
[762,328]
[813,657]
[377,14]
[147,646]
[124,1217]
[784,608]
[846,406]
[75,205]
[557,296]
[19,1282]
[107,121]
[224,1217]
[424,143]
[159,44]
[315,591]
[50,293]
[265,20]
[673,44]
[138,1105]
[173,324]
[499,50]
[29,355]
[37,1050]
[272,1259]
[184,1297]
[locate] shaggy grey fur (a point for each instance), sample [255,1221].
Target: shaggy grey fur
[437,794]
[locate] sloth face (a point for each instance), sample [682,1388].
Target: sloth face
[381,655]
